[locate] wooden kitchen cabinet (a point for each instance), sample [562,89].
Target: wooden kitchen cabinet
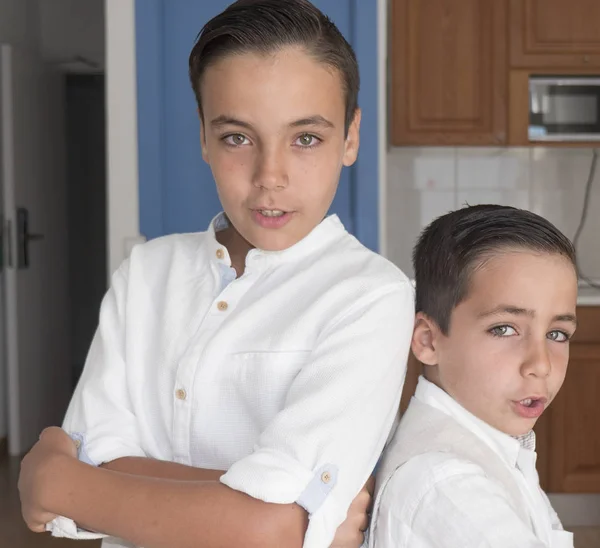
[568,433]
[554,33]
[448,72]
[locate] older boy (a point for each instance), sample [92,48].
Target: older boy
[243,381]
[496,300]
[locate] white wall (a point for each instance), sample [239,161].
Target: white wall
[121,111]
[71,28]
[19,23]
[425,182]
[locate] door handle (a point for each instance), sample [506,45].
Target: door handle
[24,237]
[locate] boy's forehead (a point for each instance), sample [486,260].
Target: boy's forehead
[285,84]
[525,279]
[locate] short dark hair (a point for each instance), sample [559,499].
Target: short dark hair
[455,244]
[264,26]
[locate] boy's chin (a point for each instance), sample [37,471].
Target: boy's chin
[519,427]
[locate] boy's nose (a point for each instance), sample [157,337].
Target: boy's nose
[537,362]
[270,173]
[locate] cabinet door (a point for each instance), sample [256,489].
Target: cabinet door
[554,33]
[574,461]
[448,65]
[567,434]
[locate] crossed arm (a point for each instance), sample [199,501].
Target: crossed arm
[162,504]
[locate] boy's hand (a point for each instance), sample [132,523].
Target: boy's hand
[351,533]
[38,468]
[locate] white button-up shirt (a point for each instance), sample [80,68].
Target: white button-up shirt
[288,377]
[440,500]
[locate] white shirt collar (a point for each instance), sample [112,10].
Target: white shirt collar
[504,445]
[327,230]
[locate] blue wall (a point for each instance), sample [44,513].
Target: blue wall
[177,192]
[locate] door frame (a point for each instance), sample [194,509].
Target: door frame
[122,179]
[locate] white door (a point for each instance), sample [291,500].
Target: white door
[35,276]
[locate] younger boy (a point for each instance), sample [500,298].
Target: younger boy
[243,381]
[496,292]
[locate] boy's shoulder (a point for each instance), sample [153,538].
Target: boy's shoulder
[431,455]
[364,265]
[181,242]
[427,474]
[164,250]
[441,492]
[428,448]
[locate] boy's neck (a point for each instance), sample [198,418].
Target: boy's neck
[237,247]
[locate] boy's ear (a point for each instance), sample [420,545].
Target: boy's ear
[425,335]
[352,140]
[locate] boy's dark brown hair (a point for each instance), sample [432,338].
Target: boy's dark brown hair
[264,26]
[455,244]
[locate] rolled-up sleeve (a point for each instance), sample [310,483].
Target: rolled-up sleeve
[100,415]
[321,448]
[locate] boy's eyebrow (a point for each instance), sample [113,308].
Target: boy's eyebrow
[571,318]
[316,120]
[223,120]
[507,309]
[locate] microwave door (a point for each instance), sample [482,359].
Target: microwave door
[565,111]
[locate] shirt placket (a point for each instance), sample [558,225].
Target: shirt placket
[526,465]
[186,398]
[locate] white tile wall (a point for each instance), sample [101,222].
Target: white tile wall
[424,183]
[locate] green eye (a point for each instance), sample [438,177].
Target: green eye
[502,331]
[235,139]
[558,336]
[238,139]
[306,140]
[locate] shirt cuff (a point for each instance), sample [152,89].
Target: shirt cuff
[104,450]
[319,487]
[269,476]
[277,478]
[82,455]
[65,528]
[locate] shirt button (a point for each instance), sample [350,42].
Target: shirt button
[78,443]
[180,394]
[325,477]
[220,254]
[222,306]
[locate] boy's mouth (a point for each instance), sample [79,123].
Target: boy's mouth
[272,212]
[530,408]
[271,218]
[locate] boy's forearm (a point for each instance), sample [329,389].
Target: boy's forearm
[152,468]
[159,513]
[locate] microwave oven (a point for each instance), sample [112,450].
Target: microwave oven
[564,108]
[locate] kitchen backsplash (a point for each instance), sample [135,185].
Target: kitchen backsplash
[424,183]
